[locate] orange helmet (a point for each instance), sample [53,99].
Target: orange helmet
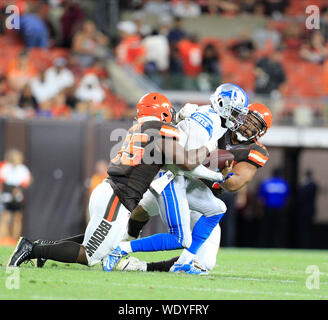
[261,113]
[155,105]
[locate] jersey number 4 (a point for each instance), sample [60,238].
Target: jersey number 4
[130,154]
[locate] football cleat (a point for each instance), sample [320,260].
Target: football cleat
[112,259]
[192,267]
[131,264]
[21,253]
[41,261]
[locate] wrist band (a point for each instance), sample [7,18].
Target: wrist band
[227,177]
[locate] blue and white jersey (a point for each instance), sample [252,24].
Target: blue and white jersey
[202,125]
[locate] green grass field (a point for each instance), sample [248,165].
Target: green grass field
[239,274]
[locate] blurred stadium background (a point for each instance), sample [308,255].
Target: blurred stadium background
[74,70]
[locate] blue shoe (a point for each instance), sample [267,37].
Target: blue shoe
[110,262]
[190,268]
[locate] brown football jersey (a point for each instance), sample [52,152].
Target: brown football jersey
[252,152]
[137,163]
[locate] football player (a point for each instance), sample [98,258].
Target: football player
[228,110]
[250,155]
[151,143]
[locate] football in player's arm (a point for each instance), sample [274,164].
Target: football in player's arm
[129,177]
[250,155]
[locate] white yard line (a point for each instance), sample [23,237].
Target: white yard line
[236,291]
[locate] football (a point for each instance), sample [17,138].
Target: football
[217,159]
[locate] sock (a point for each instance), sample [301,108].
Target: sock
[185,257]
[66,251]
[157,242]
[134,227]
[126,246]
[162,266]
[202,230]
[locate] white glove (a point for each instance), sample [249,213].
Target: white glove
[186,111]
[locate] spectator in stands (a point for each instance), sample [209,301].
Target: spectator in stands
[209,6]
[71,100]
[324,22]
[42,88]
[143,29]
[210,60]
[71,21]
[59,75]
[210,67]
[3,91]
[130,50]
[270,74]
[33,29]
[175,65]
[249,7]
[89,43]
[164,23]
[98,69]
[186,9]
[273,193]
[266,36]
[157,55]
[314,50]
[8,97]
[292,36]
[227,7]
[244,48]
[27,101]
[89,89]
[325,85]
[191,55]
[275,8]
[59,108]
[44,110]
[15,178]
[81,111]
[307,196]
[20,71]
[176,33]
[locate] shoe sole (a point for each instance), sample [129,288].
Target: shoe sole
[17,245]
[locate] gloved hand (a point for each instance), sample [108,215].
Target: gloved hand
[186,111]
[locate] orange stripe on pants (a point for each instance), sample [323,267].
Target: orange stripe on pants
[112,209]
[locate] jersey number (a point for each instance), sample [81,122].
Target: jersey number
[130,154]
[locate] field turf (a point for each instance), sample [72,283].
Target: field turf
[259,274]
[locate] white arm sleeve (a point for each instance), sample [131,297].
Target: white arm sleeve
[204,173]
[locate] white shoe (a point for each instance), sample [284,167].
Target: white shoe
[193,267]
[109,263]
[131,264]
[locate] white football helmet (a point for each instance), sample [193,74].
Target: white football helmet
[230,102]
